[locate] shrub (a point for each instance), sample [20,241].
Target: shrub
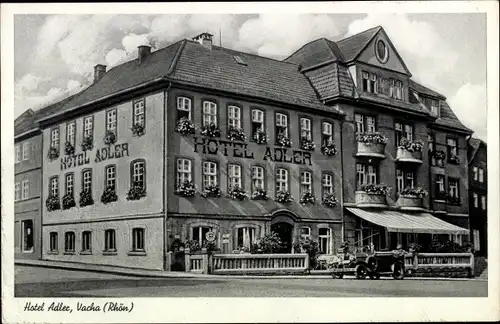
[52,203]
[307,144]
[269,243]
[307,198]
[193,246]
[312,250]
[53,153]
[69,149]
[260,136]
[283,140]
[87,143]
[376,189]
[260,194]
[236,192]
[329,200]
[329,149]
[137,129]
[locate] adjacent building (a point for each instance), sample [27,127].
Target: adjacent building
[478,193]
[194,141]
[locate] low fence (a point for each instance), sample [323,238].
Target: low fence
[440,264]
[259,263]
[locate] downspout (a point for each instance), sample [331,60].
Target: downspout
[342,178]
[166,266]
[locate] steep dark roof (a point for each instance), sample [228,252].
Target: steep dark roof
[449,119]
[25,122]
[352,46]
[425,90]
[332,81]
[315,52]
[474,144]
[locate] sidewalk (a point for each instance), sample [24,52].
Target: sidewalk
[131,272]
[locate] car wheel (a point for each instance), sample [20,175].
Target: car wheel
[361,271]
[398,272]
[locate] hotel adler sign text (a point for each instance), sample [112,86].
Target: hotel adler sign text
[111,152]
[241,150]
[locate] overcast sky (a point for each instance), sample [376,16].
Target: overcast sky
[55,54]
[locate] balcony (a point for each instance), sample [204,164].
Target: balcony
[409,152]
[371,145]
[372,195]
[411,199]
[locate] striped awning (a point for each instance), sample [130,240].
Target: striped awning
[395,221]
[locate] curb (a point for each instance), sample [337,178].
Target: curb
[182,275]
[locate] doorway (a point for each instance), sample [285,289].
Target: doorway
[285,233]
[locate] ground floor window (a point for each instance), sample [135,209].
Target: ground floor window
[53,244]
[325,239]
[110,240]
[69,242]
[245,236]
[27,235]
[87,241]
[199,234]
[305,233]
[138,239]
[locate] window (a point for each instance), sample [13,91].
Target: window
[110,177]
[257,178]
[365,123]
[281,179]
[17,192]
[209,174]
[139,112]
[18,153]
[209,113]
[475,197]
[138,173]
[372,174]
[305,129]
[70,133]
[305,182]
[110,240]
[481,175]
[324,235]
[54,186]
[245,236]
[477,241]
[383,86]
[199,234]
[305,233]
[408,179]
[183,171]
[483,202]
[26,151]
[366,174]
[53,244]
[239,60]
[452,147]
[54,138]
[440,185]
[86,241]
[183,108]
[69,183]
[257,121]
[327,133]
[234,116]
[434,107]
[381,51]
[396,91]
[327,182]
[281,125]
[111,120]
[88,126]
[403,131]
[87,180]
[26,189]
[360,174]
[400,180]
[27,235]
[373,83]
[234,177]
[366,83]
[453,188]
[69,242]
[138,239]
[475,172]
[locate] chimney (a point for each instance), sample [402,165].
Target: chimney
[204,39]
[99,71]
[143,52]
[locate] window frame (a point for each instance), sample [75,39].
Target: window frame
[26,151]
[475,200]
[24,236]
[54,243]
[18,153]
[330,174]
[438,183]
[135,246]
[115,130]
[310,131]
[302,183]
[264,182]
[91,179]
[217,177]
[25,184]
[287,116]
[324,140]
[229,106]
[200,229]
[328,237]
[86,240]
[400,134]
[305,236]
[17,191]
[287,172]
[107,247]
[364,122]
[457,182]
[229,176]
[55,143]
[132,164]
[481,175]
[66,183]
[72,239]
[190,110]
[57,188]
[252,121]
[73,140]
[449,147]
[134,115]
[106,179]
[203,114]
[483,203]
[191,169]
[91,118]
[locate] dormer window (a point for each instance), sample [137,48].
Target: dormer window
[434,107]
[369,82]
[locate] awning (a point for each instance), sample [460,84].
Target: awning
[395,221]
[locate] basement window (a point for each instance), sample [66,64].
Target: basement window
[239,60]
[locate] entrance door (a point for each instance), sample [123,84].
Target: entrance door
[285,232]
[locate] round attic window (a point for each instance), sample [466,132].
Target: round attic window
[381,51]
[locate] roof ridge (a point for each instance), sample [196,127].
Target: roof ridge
[329,43]
[177,55]
[366,31]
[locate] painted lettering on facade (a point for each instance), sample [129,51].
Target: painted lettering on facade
[241,150]
[105,153]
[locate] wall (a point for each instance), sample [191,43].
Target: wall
[478,216]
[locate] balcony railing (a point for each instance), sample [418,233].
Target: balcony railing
[371,145]
[364,199]
[404,155]
[408,202]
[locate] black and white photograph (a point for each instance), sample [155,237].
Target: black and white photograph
[191,151]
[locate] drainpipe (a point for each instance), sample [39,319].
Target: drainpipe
[166,265]
[342,178]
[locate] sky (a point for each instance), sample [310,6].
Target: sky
[55,54]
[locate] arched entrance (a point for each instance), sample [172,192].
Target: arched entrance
[282,224]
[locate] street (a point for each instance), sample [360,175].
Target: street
[46,282]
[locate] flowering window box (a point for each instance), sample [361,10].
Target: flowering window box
[283,140]
[260,136]
[236,134]
[109,195]
[86,198]
[260,194]
[237,193]
[329,200]
[68,201]
[283,197]
[69,149]
[372,195]
[211,191]
[137,130]
[441,196]
[136,192]
[110,138]
[210,130]
[186,189]
[53,153]
[52,203]
[410,151]
[329,149]
[184,126]
[87,143]
[307,198]
[454,200]
[371,145]
[411,198]
[439,156]
[307,144]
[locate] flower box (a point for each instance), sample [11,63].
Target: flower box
[329,200]
[52,203]
[260,136]
[439,155]
[370,200]
[87,143]
[186,189]
[409,202]
[236,134]
[283,197]
[86,198]
[53,153]
[184,126]
[210,130]
[371,144]
[454,159]
[237,193]
[109,195]
[136,192]
[69,149]
[454,200]
[110,138]
[403,155]
[137,129]
[260,194]
[68,201]
[307,198]
[211,191]
[307,144]
[329,149]
[283,140]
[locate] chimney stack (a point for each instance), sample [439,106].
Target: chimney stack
[99,71]
[143,52]
[204,39]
